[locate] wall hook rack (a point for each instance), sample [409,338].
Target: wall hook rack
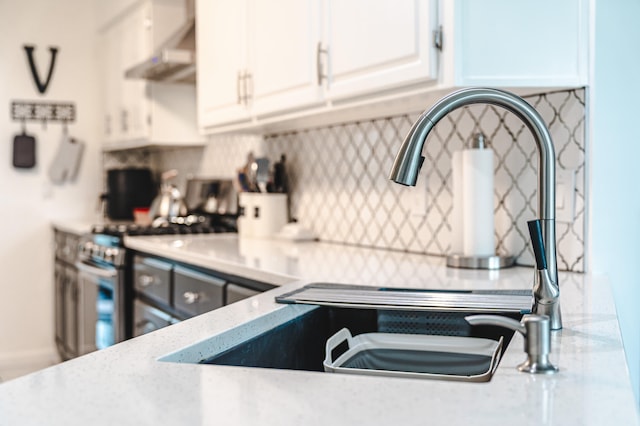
[43,111]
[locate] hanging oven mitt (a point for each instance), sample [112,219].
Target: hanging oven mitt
[24,151]
[67,160]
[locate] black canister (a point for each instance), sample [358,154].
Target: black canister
[128,189]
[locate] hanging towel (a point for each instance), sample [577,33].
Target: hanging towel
[66,163]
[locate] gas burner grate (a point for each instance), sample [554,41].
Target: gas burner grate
[207,227]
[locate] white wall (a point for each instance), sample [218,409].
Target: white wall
[28,201]
[615,156]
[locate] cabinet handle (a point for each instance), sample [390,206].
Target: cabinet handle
[191,297]
[238,91]
[437,38]
[145,280]
[125,124]
[319,64]
[248,87]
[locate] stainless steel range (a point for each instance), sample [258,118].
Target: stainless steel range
[102,292]
[105,289]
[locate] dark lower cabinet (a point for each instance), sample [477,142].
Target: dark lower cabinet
[66,294]
[167,292]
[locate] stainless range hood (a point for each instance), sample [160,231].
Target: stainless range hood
[175,60]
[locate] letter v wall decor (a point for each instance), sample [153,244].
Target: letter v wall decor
[42,87]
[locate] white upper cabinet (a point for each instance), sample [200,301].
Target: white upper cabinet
[110,67]
[257,58]
[377,45]
[139,112]
[135,32]
[541,43]
[222,61]
[281,64]
[285,65]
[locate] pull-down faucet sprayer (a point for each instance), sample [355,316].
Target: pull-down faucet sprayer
[409,160]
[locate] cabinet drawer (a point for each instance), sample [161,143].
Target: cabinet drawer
[236,293]
[152,277]
[195,293]
[147,319]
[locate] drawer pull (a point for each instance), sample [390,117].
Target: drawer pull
[145,280]
[191,297]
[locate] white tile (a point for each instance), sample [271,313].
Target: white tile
[336,171]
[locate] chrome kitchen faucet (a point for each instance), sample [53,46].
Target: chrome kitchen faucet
[409,161]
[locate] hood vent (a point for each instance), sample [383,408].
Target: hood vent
[175,61]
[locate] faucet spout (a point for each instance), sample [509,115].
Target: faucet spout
[409,161]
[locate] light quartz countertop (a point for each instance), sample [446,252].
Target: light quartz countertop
[127,385]
[280,262]
[77,227]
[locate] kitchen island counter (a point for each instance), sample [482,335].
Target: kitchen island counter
[281,262]
[126,384]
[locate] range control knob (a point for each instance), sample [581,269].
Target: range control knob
[98,251]
[87,248]
[110,254]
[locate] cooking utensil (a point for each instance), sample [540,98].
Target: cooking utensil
[67,160]
[169,203]
[262,173]
[24,151]
[251,170]
[280,181]
[243,182]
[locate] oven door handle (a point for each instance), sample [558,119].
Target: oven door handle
[93,270]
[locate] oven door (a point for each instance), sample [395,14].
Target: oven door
[98,306]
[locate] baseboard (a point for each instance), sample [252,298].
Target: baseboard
[32,359]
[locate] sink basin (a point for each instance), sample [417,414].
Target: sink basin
[294,336]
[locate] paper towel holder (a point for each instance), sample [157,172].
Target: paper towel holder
[457,260]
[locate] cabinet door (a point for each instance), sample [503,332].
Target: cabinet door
[60,285]
[71,325]
[135,30]
[283,42]
[110,68]
[378,44]
[541,43]
[221,61]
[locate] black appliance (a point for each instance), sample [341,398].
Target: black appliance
[128,189]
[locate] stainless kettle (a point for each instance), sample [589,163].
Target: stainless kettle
[169,203]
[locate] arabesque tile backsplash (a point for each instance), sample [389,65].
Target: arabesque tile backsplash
[339,176]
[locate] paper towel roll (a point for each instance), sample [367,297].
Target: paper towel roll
[477,193]
[457,204]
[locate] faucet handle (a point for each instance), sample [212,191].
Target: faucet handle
[535,231]
[536,330]
[545,291]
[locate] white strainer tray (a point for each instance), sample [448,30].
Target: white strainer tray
[414,356]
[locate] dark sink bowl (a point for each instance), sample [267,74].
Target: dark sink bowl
[297,340]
